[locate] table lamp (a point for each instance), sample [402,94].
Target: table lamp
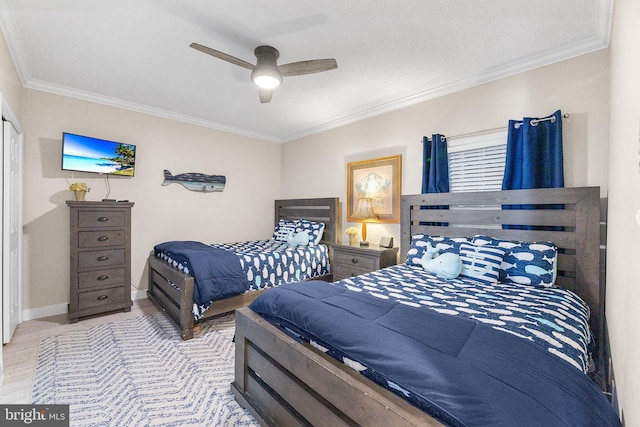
[364,210]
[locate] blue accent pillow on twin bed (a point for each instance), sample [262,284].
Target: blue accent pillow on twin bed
[286,229]
[526,263]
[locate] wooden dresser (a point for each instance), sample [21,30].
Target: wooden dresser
[100,258]
[352,260]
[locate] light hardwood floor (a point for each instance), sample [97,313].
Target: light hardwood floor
[20,355]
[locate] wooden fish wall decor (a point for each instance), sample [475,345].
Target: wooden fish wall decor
[196,181]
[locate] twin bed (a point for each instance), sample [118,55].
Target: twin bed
[498,345]
[235,274]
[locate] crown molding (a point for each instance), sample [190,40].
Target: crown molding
[531,63]
[145,109]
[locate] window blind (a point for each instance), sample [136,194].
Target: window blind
[476,163]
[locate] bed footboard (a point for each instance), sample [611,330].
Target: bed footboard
[312,389]
[175,302]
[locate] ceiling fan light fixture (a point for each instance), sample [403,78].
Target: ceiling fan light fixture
[266,77]
[266,74]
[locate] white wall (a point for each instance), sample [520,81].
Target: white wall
[579,86]
[623,284]
[244,210]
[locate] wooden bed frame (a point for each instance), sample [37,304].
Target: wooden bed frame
[177,303]
[283,382]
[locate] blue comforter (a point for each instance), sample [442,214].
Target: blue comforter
[217,272]
[461,372]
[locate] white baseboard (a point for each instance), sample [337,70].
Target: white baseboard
[46,311]
[54,310]
[138,294]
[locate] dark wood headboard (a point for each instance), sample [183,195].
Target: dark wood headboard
[326,210]
[576,211]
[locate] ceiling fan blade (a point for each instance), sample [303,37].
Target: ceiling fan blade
[265,95]
[307,67]
[222,55]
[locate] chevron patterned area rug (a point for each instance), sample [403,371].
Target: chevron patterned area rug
[140,373]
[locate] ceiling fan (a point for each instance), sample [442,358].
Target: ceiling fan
[267,74]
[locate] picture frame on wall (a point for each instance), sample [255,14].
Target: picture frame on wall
[377,179]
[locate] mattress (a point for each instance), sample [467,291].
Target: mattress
[264,263]
[554,317]
[465,352]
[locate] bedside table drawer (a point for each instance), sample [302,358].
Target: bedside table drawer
[92,279]
[95,219]
[355,261]
[104,258]
[101,297]
[344,272]
[92,239]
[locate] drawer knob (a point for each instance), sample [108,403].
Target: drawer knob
[103,239]
[103,277]
[354,260]
[103,258]
[103,219]
[102,297]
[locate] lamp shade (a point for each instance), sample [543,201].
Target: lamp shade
[364,210]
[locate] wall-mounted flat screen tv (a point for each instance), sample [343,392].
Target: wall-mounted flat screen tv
[87,154]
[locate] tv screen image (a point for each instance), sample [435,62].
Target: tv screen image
[87,154]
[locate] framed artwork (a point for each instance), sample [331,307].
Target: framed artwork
[378,180]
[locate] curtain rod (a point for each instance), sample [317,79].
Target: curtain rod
[517,125]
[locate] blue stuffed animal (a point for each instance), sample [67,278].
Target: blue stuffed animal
[446,266]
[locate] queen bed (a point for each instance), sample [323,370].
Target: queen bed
[402,347]
[192,281]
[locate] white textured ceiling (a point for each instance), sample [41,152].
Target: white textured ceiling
[135,53]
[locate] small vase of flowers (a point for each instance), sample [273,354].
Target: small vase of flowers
[80,189]
[352,232]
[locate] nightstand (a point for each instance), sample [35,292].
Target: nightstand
[351,260]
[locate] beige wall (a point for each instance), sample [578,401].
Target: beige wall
[579,87]
[244,210]
[623,283]
[10,86]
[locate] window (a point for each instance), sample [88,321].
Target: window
[476,162]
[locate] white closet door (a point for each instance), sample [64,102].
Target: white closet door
[11,231]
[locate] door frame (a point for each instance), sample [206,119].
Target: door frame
[7,114]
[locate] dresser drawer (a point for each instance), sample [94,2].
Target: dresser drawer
[95,239]
[103,258]
[91,279]
[350,260]
[95,219]
[101,297]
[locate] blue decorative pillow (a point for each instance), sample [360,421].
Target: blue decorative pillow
[298,239]
[283,230]
[315,230]
[526,263]
[444,244]
[481,263]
